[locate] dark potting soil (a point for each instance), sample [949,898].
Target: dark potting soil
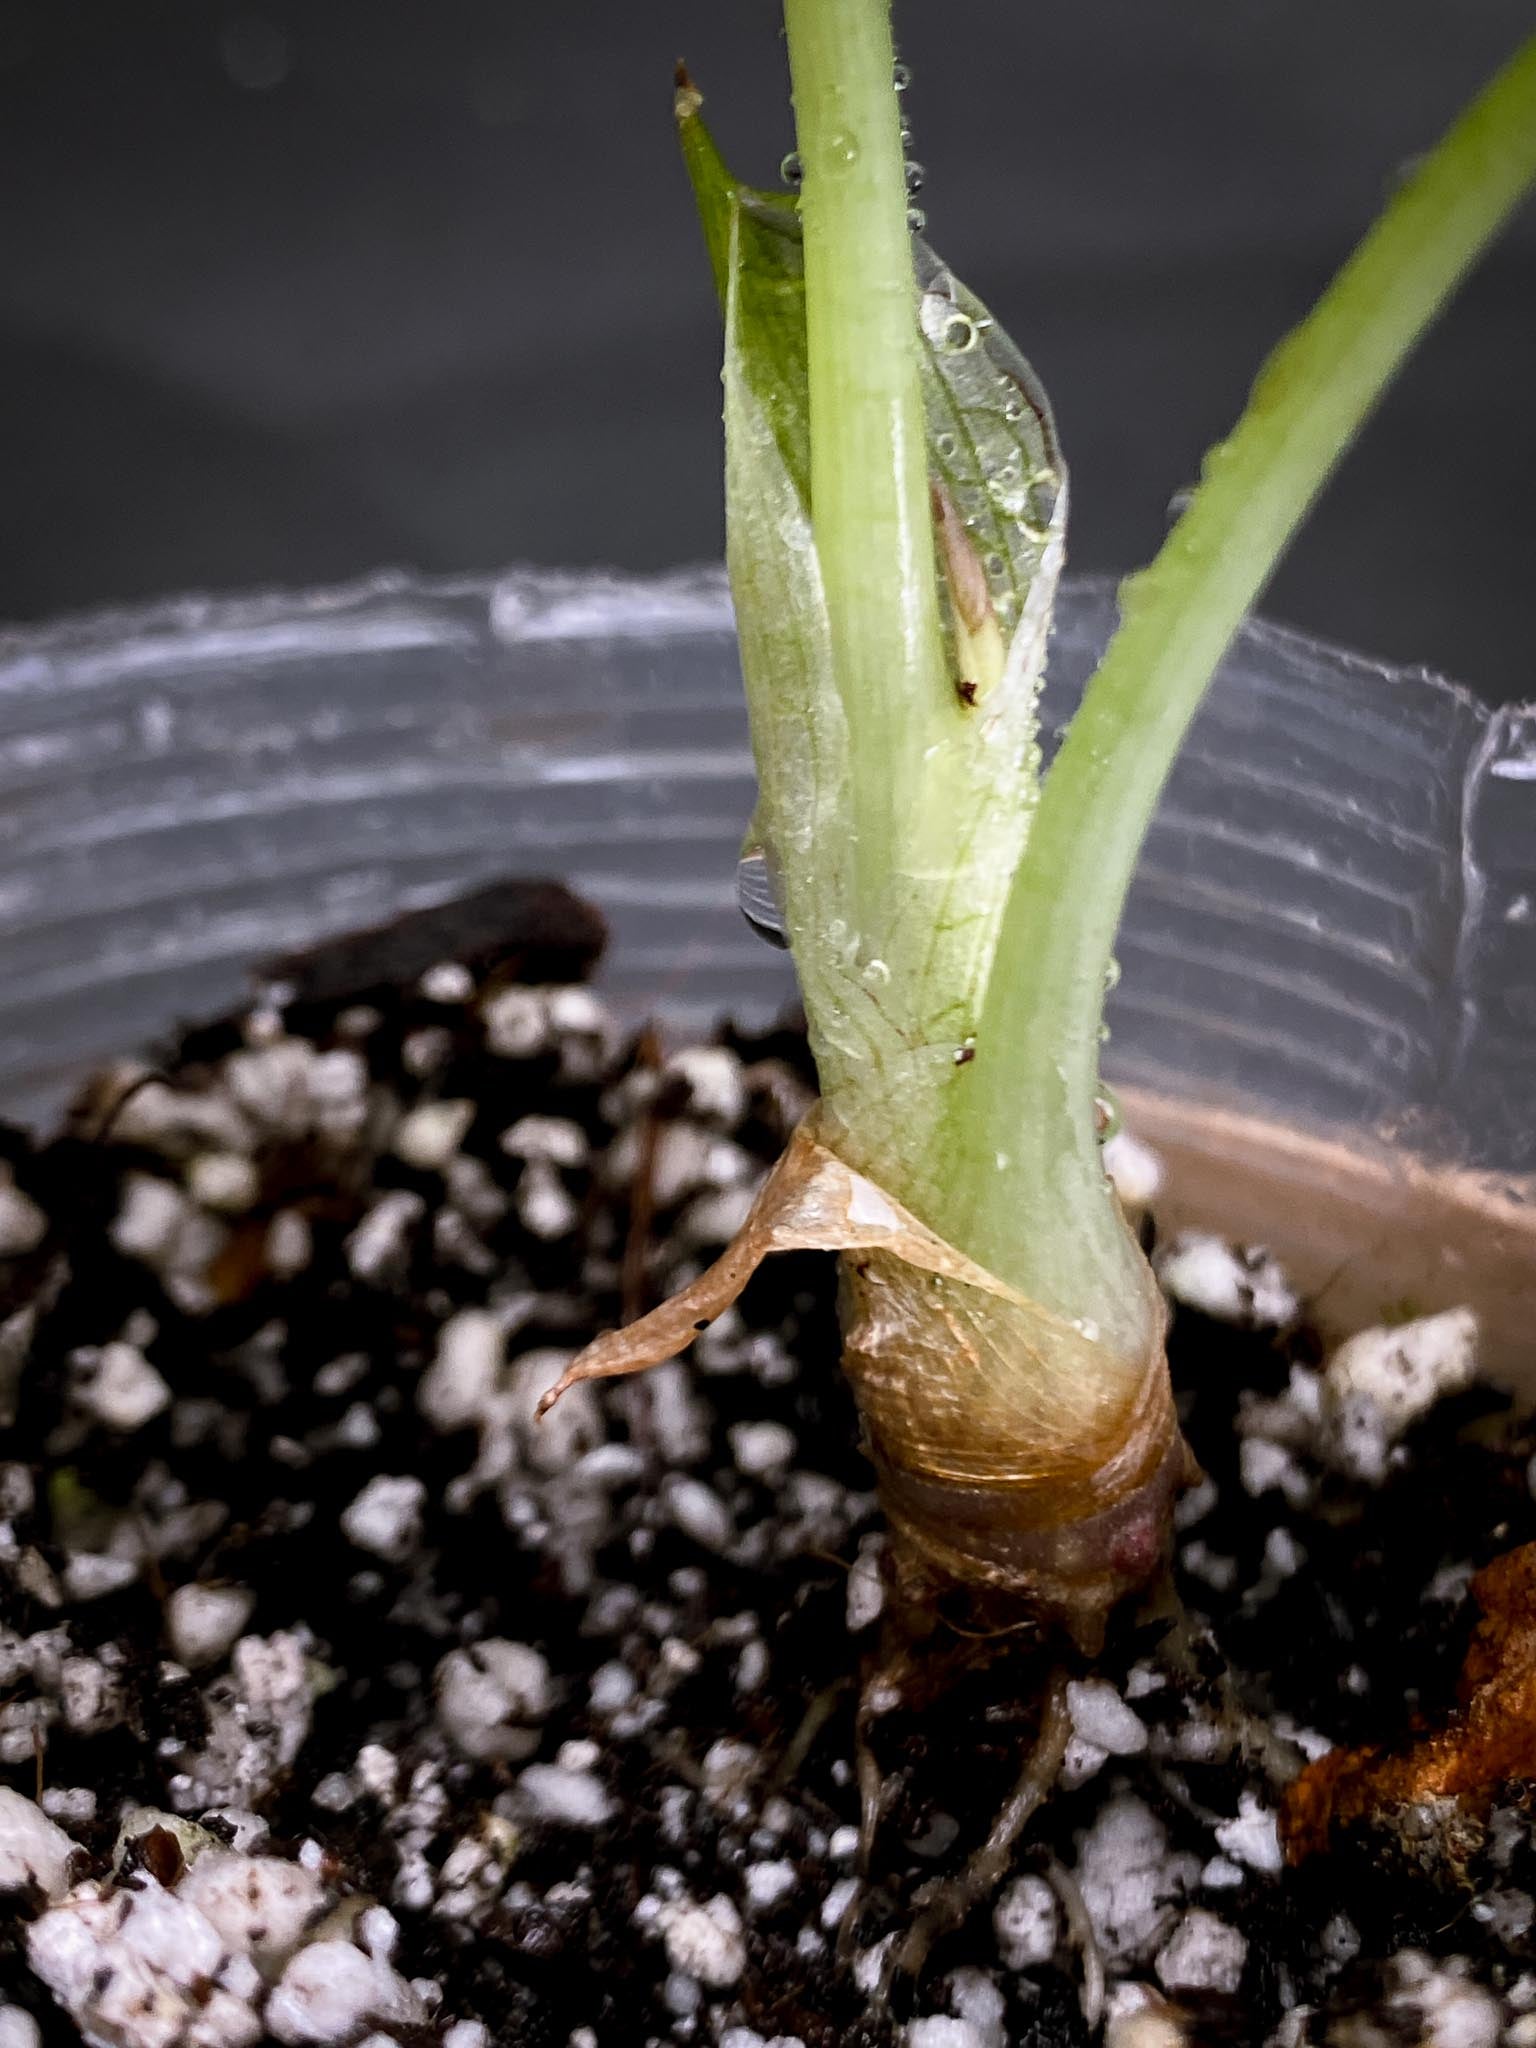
[340,1704]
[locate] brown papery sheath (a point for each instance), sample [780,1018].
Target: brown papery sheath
[1017,1455]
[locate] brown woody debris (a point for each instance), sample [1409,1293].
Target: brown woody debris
[1488,1743]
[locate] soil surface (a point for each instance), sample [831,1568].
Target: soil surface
[340,1704]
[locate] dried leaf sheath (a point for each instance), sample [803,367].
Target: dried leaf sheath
[989,1475]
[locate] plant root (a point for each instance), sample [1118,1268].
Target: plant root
[819,1711]
[882,1677]
[1080,1933]
[948,1902]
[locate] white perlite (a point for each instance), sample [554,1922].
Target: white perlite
[429,1135]
[1444,2009]
[574,1426]
[290,1243]
[204,1621]
[705,1942]
[1246,1287]
[938,2030]
[1080,1761]
[90,1574]
[458,1387]
[543,1204]
[1380,1381]
[151,1219]
[516,1022]
[1202,1954]
[698,1511]
[1264,1467]
[865,1601]
[119,1387]
[770,1884]
[761,1448]
[225,1181]
[978,2001]
[554,1139]
[450,981]
[1101,1717]
[1026,1920]
[331,1990]
[713,1078]
[728,1769]
[258,1718]
[33,1850]
[261,1906]
[380,1242]
[491,1697]
[139,1969]
[1134,1168]
[1254,1837]
[1130,1880]
[385,1518]
[565,1798]
[18,2029]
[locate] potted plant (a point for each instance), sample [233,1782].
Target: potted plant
[897,506]
[952,915]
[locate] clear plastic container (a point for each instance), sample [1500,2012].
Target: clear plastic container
[1327,1011]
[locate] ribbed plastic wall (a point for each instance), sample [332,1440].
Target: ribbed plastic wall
[1335,920]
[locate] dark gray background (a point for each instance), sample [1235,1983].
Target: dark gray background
[290,291]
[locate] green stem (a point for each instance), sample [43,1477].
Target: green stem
[869,466]
[1044,1216]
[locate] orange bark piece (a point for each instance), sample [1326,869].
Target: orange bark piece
[1489,1742]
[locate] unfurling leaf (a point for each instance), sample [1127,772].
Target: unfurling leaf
[998,491]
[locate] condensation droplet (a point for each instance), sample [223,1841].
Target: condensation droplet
[1180,503]
[1107,1114]
[944,444]
[917,220]
[876,973]
[901,76]
[959,334]
[1111,975]
[915,174]
[791,170]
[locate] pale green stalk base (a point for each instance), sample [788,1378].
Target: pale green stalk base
[894,981]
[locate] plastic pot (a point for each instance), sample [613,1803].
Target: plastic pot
[1327,1013]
